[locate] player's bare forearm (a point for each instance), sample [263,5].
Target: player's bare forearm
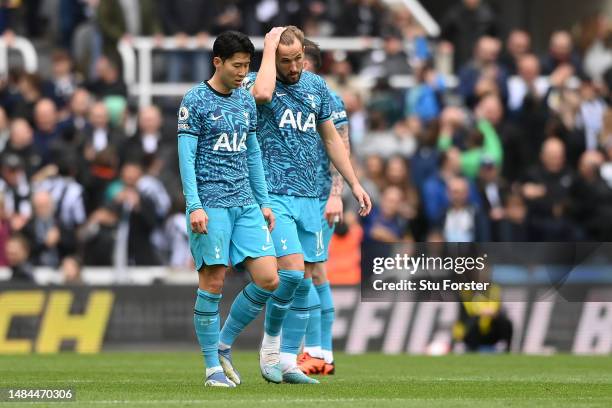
[266,76]
[336,151]
[337,179]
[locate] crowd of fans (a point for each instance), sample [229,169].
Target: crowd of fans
[518,149]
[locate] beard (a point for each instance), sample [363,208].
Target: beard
[286,80]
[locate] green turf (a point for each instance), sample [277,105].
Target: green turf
[175,379]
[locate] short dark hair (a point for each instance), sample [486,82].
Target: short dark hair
[313,53]
[229,43]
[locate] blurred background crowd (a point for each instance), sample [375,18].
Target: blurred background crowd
[493,139]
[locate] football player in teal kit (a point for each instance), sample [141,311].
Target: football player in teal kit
[227,200]
[294,113]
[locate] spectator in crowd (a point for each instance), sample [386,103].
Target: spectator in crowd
[483,71]
[396,175]
[182,19]
[527,84]
[513,227]
[100,173]
[479,141]
[418,48]
[108,81]
[385,223]
[100,135]
[23,102]
[136,219]
[591,198]
[125,19]
[493,191]
[435,191]
[463,222]
[596,46]
[357,116]
[561,52]
[464,24]
[97,237]
[78,111]
[518,44]
[149,140]
[21,144]
[592,109]
[390,60]
[47,129]
[424,162]
[373,177]
[546,189]
[15,189]
[48,240]
[63,82]
[18,253]
[66,192]
[424,99]
[566,123]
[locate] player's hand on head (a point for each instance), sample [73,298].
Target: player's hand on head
[272,38]
[269,217]
[333,210]
[199,221]
[365,204]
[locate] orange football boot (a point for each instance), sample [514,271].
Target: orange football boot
[310,365]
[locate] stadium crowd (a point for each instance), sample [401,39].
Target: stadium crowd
[519,149]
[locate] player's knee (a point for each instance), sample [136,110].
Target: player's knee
[270,283]
[293,262]
[214,285]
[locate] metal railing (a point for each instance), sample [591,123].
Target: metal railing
[137,57]
[25,48]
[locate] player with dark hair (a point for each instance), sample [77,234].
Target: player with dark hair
[317,357]
[293,115]
[226,198]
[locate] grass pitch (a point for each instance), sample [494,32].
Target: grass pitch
[175,380]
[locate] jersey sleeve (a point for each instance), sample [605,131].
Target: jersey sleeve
[339,115]
[190,120]
[256,171]
[190,126]
[249,81]
[187,147]
[325,109]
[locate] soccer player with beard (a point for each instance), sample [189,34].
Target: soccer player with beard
[294,113]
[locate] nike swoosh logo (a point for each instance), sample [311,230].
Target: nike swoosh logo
[216,118]
[319,253]
[280,94]
[265,248]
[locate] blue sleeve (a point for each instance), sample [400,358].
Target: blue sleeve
[256,171]
[189,115]
[187,147]
[190,126]
[249,81]
[338,115]
[325,110]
